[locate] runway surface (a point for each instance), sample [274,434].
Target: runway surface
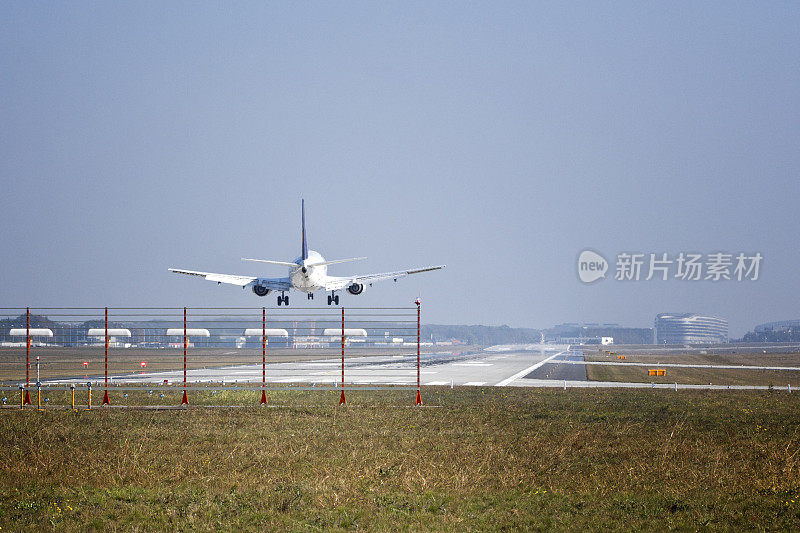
[512,365]
[496,366]
[560,368]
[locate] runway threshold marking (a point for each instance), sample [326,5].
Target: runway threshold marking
[527,370]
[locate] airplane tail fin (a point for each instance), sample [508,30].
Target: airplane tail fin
[304,251]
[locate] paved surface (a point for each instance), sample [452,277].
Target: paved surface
[561,368]
[496,367]
[519,366]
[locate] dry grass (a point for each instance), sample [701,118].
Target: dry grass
[484,459]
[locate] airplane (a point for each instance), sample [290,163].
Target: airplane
[308,273]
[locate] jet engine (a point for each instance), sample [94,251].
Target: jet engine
[260,290]
[356,288]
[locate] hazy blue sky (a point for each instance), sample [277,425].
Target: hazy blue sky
[500,138]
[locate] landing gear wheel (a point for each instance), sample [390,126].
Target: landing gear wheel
[336,300]
[286,301]
[330,299]
[310,296]
[280,300]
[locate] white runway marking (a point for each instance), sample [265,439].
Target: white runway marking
[437,383]
[475,383]
[472,364]
[527,370]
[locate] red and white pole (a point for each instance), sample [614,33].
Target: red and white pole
[105,395]
[28,347]
[418,401]
[263,356]
[106,352]
[27,354]
[185,399]
[342,399]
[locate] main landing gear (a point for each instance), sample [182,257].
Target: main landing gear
[333,299]
[310,295]
[283,299]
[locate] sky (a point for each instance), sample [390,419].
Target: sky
[499,138]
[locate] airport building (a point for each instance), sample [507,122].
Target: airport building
[690,328]
[597,333]
[780,331]
[783,325]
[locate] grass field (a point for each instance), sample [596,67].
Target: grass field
[698,375]
[493,458]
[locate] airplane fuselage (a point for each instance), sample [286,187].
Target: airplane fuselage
[308,278]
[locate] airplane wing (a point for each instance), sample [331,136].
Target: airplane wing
[334,283]
[279,284]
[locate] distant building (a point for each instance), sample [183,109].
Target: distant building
[783,325]
[782,331]
[595,333]
[690,328]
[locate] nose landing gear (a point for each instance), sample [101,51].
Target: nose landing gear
[333,299]
[283,299]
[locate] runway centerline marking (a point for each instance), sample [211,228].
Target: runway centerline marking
[527,370]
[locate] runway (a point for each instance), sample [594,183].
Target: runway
[512,365]
[479,368]
[565,366]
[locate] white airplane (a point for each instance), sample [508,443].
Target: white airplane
[307,273]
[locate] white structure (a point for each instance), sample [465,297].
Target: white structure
[33,332]
[116,332]
[335,334]
[606,341]
[348,332]
[113,334]
[257,332]
[196,332]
